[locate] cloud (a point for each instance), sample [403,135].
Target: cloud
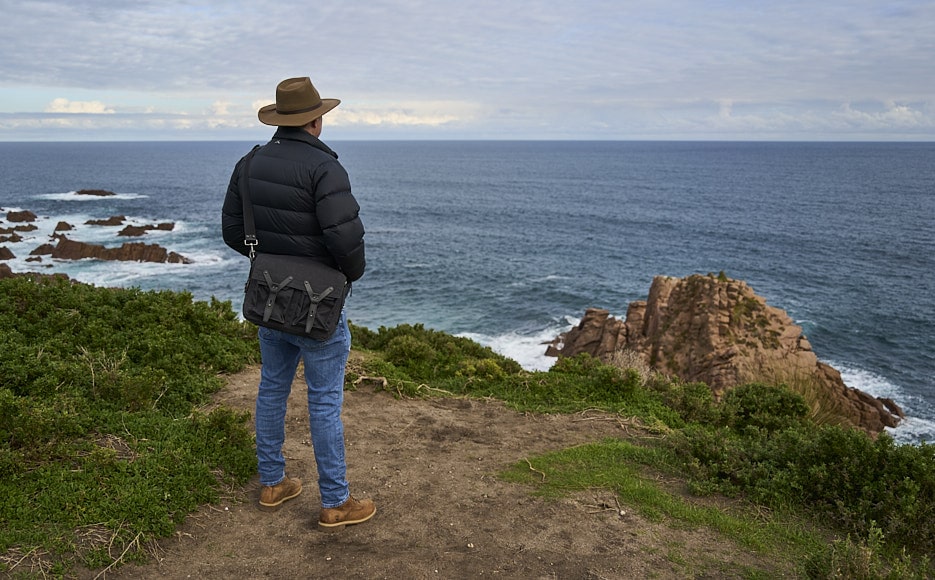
[61,105]
[893,115]
[220,108]
[550,69]
[408,115]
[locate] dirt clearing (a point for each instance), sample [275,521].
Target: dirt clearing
[430,466]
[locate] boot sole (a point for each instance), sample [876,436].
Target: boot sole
[271,507]
[340,525]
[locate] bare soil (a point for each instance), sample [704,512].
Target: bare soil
[431,467]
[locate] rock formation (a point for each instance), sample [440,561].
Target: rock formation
[140,230]
[63,227]
[6,272]
[6,253]
[43,250]
[115,220]
[21,216]
[716,330]
[129,252]
[98,192]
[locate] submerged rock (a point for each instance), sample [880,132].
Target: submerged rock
[98,192]
[115,220]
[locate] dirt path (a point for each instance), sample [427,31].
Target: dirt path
[430,467]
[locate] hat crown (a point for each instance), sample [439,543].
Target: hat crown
[296,95]
[297,103]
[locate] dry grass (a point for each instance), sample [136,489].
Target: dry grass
[35,563]
[797,379]
[630,359]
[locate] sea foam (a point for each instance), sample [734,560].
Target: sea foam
[912,429]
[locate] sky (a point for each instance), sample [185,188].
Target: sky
[119,70]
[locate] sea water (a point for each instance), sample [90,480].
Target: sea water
[509,242]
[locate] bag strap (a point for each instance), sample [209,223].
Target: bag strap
[316,299]
[249,228]
[274,288]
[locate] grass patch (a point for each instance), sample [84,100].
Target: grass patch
[621,467]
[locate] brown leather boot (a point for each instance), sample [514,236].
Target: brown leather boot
[273,496]
[350,512]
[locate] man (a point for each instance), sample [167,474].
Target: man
[302,205]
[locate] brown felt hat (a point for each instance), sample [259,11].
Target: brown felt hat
[297,103]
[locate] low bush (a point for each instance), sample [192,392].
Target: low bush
[764,448]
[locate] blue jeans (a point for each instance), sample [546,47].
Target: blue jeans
[324,362]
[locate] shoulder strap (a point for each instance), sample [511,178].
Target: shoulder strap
[249,228]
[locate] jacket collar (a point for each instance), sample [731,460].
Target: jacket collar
[299,134]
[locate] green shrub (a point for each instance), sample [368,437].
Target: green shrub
[694,402]
[865,560]
[595,381]
[405,350]
[429,355]
[763,406]
[766,450]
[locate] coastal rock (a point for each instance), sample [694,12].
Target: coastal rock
[43,250]
[132,231]
[98,192]
[716,330]
[6,253]
[63,227]
[12,238]
[129,252]
[21,216]
[6,272]
[116,220]
[140,230]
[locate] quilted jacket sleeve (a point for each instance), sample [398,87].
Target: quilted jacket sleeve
[232,227]
[338,216]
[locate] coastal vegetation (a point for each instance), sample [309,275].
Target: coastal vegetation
[108,438]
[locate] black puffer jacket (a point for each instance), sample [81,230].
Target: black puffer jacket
[302,204]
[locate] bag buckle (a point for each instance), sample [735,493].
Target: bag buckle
[252,242]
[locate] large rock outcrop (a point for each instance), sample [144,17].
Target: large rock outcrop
[716,330]
[129,252]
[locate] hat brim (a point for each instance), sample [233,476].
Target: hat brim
[269,116]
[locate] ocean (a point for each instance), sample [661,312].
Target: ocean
[508,242]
